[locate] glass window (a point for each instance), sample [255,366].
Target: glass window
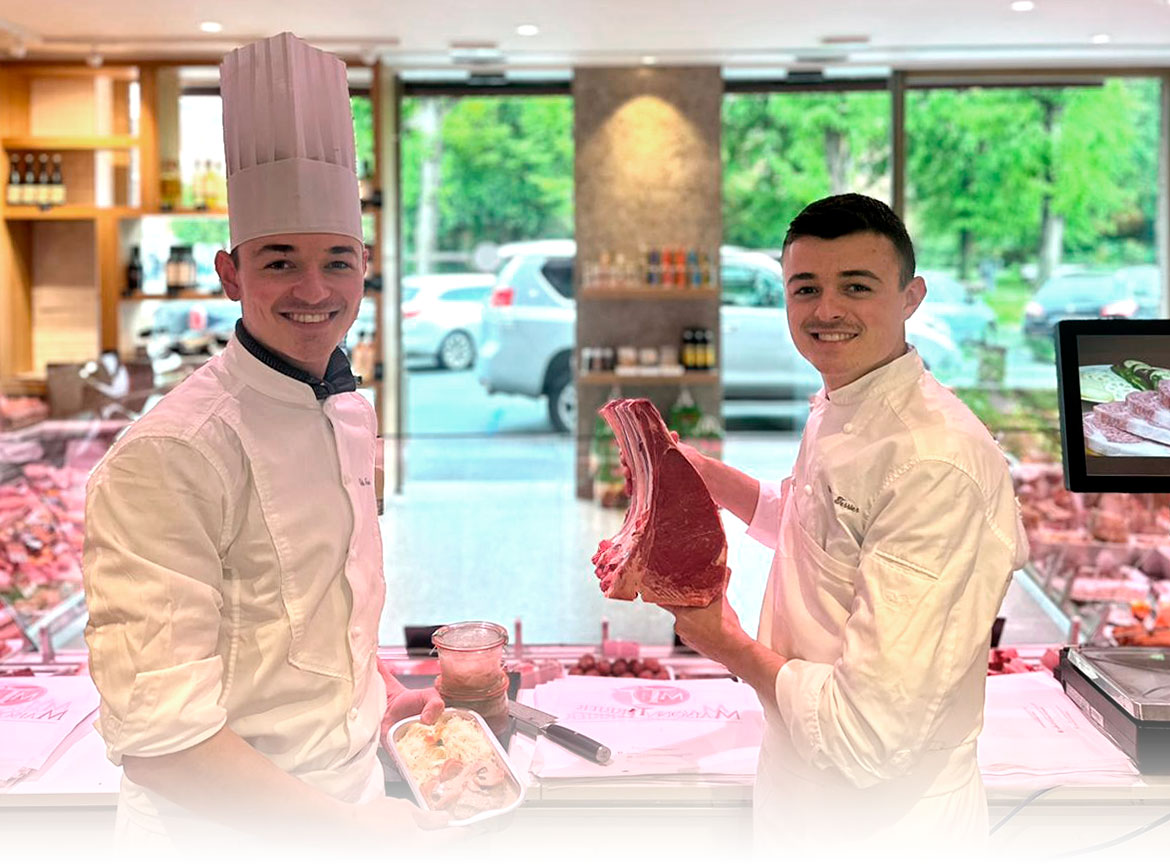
[559,273]
[1041,202]
[739,285]
[784,150]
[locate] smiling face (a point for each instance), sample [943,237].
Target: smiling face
[847,308]
[299,293]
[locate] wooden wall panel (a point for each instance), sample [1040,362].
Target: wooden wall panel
[63,106]
[15,300]
[65,305]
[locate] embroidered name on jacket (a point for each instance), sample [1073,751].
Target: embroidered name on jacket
[846,504]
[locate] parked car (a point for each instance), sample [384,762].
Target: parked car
[1130,292]
[441,316]
[968,318]
[528,330]
[1143,285]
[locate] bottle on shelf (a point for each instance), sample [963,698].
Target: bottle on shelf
[684,415]
[170,186]
[180,270]
[44,192]
[134,272]
[199,186]
[14,194]
[57,181]
[709,349]
[28,186]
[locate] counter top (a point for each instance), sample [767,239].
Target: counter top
[79,774]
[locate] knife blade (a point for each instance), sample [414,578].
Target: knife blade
[539,722]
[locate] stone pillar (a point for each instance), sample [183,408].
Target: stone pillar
[648,174]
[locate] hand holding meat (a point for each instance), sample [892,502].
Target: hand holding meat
[713,631]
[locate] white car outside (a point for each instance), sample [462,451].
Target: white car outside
[442,317]
[530,321]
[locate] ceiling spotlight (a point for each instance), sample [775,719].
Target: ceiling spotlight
[649,60]
[1099,38]
[211,27]
[1023,6]
[93,60]
[527,30]
[18,50]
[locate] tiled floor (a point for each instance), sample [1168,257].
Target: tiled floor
[498,550]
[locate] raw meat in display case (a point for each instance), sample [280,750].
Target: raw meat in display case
[1107,552]
[671,548]
[42,516]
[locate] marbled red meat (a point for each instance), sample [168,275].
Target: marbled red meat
[1148,406]
[671,548]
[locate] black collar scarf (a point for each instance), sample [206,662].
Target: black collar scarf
[338,376]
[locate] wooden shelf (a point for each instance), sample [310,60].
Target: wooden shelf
[64,212]
[710,377]
[650,293]
[70,142]
[182,296]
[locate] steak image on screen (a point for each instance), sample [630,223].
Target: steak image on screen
[671,549]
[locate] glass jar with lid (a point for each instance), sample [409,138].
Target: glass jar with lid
[180,270]
[471,670]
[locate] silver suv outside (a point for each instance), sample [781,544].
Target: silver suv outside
[529,324]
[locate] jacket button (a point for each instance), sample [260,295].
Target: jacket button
[353,714]
[808,489]
[848,428]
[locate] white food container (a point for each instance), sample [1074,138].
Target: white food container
[399,730]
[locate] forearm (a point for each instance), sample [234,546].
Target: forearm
[730,488]
[756,665]
[226,780]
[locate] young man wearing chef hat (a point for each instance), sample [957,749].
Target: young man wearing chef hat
[233,563]
[895,539]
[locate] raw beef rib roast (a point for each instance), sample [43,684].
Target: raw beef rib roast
[671,548]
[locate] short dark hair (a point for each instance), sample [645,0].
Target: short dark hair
[841,215]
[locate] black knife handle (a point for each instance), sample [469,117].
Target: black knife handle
[577,743]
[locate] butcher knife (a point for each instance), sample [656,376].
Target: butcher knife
[537,722]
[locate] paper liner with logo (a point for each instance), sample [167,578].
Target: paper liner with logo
[401,728]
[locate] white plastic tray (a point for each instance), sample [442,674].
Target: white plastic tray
[400,728]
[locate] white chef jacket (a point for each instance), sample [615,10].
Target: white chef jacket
[233,573]
[896,537]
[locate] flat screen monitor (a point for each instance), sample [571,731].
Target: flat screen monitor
[1113,377]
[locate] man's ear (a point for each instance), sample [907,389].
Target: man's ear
[229,278]
[912,296]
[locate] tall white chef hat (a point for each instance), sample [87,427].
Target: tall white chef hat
[288,135]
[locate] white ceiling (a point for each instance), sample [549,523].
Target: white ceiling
[418,34]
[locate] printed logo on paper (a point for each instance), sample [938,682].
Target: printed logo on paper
[12,695]
[651,696]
